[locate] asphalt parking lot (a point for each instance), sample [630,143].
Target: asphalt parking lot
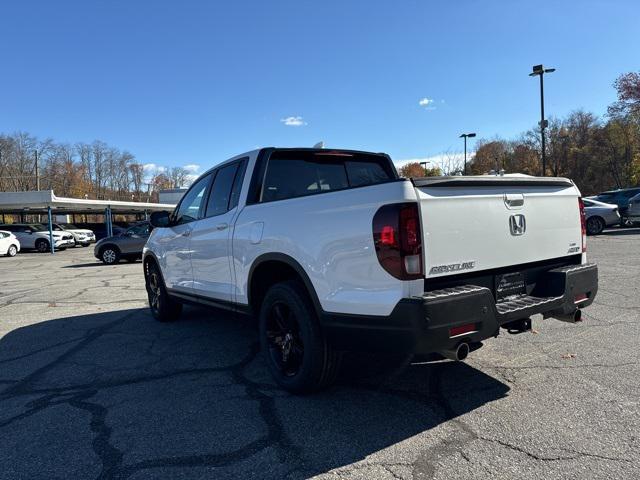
[92,387]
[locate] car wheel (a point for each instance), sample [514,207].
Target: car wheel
[163,308]
[595,225]
[12,251]
[42,246]
[297,353]
[109,255]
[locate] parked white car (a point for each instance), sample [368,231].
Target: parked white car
[35,236]
[9,244]
[81,236]
[332,251]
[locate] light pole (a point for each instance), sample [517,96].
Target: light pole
[539,70]
[465,136]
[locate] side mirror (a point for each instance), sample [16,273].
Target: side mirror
[160,219]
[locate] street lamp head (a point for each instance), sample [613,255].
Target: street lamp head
[470,135]
[540,70]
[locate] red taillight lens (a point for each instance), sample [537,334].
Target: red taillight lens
[462,329]
[583,224]
[388,235]
[398,241]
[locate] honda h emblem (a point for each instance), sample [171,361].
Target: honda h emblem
[517,224]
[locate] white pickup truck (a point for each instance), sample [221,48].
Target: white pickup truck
[332,251]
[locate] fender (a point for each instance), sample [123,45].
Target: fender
[293,263]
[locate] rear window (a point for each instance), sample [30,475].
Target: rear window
[293,174]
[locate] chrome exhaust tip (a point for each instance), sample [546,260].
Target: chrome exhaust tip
[573,317]
[457,354]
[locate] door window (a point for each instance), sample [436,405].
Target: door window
[221,190]
[140,230]
[191,206]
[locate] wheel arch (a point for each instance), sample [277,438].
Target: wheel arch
[271,268]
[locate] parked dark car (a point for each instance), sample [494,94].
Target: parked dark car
[100,229]
[618,197]
[127,245]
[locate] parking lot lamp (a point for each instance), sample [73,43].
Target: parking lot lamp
[539,70]
[465,136]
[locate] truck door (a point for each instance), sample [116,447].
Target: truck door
[176,240]
[211,237]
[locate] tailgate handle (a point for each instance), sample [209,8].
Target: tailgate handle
[513,200]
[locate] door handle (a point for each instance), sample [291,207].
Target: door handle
[186,233]
[222,226]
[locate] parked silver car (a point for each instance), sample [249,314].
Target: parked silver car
[600,215]
[127,245]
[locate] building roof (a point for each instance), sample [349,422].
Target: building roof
[40,201]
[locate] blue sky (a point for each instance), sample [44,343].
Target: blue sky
[194,82]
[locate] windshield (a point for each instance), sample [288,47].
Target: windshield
[69,225]
[40,228]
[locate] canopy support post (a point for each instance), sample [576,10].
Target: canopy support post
[51,245]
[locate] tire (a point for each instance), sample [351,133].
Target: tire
[294,347]
[12,251]
[109,255]
[163,308]
[595,225]
[42,245]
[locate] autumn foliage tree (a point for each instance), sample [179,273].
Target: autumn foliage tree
[415,170]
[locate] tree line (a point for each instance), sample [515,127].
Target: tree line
[598,153]
[83,170]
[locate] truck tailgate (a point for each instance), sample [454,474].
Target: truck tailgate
[479,223]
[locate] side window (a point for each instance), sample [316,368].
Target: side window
[190,207]
[142,229]
[288,178]
[587,203]
[237,185]
[3,235]
[221,190]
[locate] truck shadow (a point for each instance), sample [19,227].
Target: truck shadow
[115,394]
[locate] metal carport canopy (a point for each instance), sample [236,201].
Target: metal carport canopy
[45,201]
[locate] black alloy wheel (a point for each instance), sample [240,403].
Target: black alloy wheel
[286,347]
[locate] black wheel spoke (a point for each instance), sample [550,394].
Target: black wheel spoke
[283,337]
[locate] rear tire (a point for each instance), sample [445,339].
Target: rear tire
[12,251]
[163,308]
[42,245]
[298,355]
[595,225]
[109,255]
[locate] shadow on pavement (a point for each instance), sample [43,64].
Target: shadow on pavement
[116,395]
[622,231]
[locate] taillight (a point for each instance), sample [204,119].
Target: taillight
[583,224]
[398,240]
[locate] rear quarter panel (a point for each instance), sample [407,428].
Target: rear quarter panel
[330,236]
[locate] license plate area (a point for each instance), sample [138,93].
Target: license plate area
[510,284]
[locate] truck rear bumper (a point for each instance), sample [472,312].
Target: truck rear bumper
[431,323]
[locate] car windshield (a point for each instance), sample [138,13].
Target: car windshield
[40,228]
[69,225]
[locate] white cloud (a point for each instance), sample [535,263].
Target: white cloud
[147,167]
[293,121]
[192,168]
[425,102]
